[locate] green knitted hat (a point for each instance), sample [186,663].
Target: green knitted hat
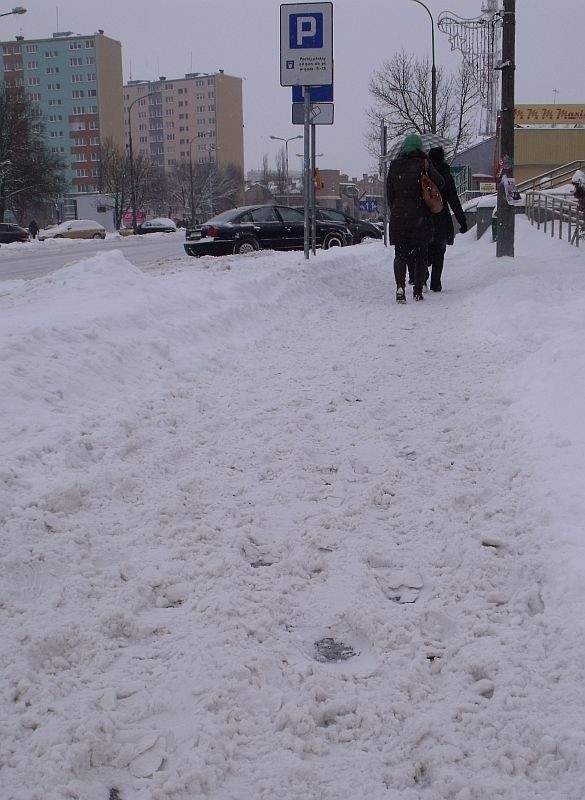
[411,143]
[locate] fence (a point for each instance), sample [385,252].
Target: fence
[558,214]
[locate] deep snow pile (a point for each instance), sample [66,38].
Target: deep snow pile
[266,534]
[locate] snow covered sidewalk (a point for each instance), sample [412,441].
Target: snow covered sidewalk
[266,534]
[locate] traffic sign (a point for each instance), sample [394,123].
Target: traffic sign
[317,94]
[319,114]
[306,44]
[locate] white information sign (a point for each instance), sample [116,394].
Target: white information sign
[306,44]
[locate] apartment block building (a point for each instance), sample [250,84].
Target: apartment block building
[196,119]
[76,80]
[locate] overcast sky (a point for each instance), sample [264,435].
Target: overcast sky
[242,38]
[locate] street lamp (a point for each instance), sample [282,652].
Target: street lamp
[433,70]
[191,178]
[286,141]
[15,10]
[131,154]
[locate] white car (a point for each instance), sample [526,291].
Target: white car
[74,229]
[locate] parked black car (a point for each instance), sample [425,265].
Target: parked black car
[12,233]
[262,227]
[360,229]
[157,225]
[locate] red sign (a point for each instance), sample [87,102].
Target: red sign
[127,218]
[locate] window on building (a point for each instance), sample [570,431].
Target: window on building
[31,48]
[51,54]
[89,43]
[90,59]
[53,87]
[75,45]
[76,78]
[91,76]
[76,94]
[32,65]
[92,92]
[77,61]
[34,81]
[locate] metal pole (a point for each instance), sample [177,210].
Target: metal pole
[307,169]
[132,183]
[131,154]
[191,182]
[314,188]
[505,212]
[433,70]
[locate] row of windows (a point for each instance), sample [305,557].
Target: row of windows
[86,173]
[55,87]
[73,62]
[78,141]
[16,49]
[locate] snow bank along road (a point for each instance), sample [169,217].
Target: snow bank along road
[267,534]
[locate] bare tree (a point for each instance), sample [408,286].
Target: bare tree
[402,94]
[114,178]
[266,175]
[280,174]
[30,174]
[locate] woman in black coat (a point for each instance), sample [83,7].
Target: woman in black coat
[411,225]
[444,232]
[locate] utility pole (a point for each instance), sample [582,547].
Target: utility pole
[505,211]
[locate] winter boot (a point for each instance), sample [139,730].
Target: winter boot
[400,295]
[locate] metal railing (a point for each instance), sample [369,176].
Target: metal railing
[557,214]
[551,178]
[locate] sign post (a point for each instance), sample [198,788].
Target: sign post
[306,59]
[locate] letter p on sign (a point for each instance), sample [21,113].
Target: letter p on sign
[306,31]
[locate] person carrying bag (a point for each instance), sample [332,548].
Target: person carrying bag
[411,221]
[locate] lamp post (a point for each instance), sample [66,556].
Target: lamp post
[15,10]
[433,70]
[286,141]
[131,154]
[191,179]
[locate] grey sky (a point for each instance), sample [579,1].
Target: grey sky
[177,36]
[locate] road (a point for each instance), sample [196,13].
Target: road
[33,260]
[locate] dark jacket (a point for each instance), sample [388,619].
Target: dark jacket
[444,231]
[410,219]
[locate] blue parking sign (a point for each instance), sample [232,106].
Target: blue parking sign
[305,31]
[306,44]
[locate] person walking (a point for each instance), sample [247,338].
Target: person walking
[444,231]
[33,228]
[411,224]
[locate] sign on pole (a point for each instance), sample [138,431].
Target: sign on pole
[306,44]
[319,114]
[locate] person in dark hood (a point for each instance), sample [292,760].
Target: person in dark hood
[444,232]
[411,224]
[33,228]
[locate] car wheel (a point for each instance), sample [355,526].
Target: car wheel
[97,236]
[191,252]
[59,236]
[246,246]
[333,240]
[365,237]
